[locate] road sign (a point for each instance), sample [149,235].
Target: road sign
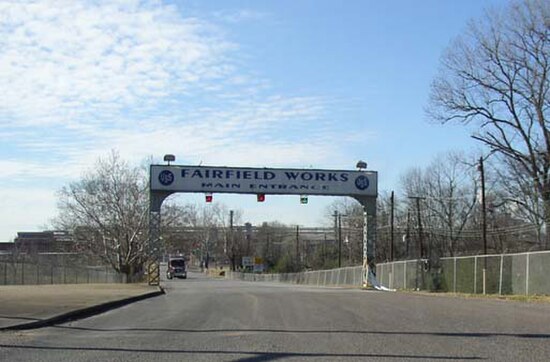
[241,180]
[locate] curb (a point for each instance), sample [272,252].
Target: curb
[82,313]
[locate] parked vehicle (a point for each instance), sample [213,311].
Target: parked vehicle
[176,268]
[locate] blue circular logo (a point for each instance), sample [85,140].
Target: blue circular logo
[362,182]
[166,177]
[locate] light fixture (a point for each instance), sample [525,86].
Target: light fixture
[361,165]
[169,158]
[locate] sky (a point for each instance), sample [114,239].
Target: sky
[259,83]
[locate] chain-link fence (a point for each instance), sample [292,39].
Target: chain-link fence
[58,268]
[350,276]
[26,273]
[523,273]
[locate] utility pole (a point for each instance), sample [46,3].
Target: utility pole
[339,240]
[391,227]
[335,215]
[408,233]
[232,248]
[419,218]
[483,207]
[305,245]
[484,219]
[324,249]
[267,248]
[298,246]
[420,239]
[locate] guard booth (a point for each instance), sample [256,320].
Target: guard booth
[362,185]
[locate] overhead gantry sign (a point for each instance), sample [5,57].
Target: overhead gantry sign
[361,185]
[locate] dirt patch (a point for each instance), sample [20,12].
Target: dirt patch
[514,298]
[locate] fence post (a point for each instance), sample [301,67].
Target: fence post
[64,274]
[38,272]
[500,276]
[405,275]
[475,274]
[6,274]
[527,274]
[454,274]
[417,263]
[484,275]
[22,273]
[51,274]
[318,277]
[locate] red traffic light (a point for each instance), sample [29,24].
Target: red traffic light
[209,197]
[260,197]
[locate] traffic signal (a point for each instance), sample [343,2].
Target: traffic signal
[303,199]
[209,197]
[260,197]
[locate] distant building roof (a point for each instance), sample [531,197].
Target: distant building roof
[7,246]
[43,241]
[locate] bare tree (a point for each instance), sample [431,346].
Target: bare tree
[107,212]
[451,186]
[448,189]
[269,240]
[176,230]
[496,76]
[345,216]
[518,198]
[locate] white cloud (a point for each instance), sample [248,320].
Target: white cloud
[79,78]
[257,132]
[60,60]
[24,210]
[236,16]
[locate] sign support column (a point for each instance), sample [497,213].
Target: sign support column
[369,240]
[155,201]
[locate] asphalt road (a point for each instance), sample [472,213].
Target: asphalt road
[201,319]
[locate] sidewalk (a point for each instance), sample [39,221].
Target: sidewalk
[23,304]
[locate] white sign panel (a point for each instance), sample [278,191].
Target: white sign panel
[263,180]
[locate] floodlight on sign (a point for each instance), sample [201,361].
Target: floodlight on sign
[303,199]
[169,158]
